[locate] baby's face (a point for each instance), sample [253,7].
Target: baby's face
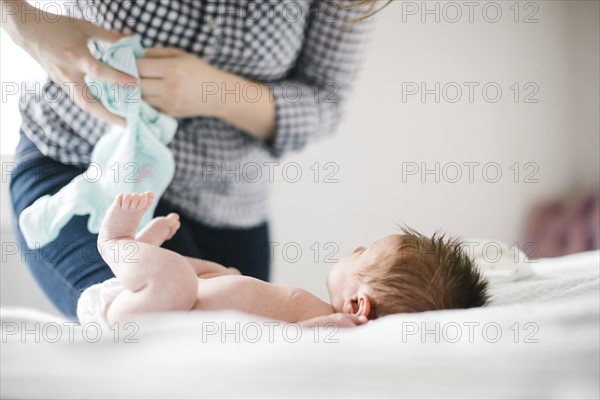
[342,282]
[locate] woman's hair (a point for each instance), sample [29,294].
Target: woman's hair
[371,4]
[424,274]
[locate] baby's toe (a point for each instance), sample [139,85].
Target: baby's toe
[174,226]
[173,216]
[148,198]
[143,201]
[135,201]
[126,202]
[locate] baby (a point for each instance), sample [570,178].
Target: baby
[397,274]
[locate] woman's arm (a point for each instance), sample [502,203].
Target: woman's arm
[256,118]
[323,76]
[183,85]
[59,45]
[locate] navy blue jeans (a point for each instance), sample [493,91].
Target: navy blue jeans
[71,263]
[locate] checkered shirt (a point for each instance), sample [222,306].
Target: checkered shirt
[308,52]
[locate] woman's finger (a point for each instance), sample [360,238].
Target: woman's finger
[82,96]
[154,67]
[99,70]
[97,110]
[161,52]
[152,87]
[155,101]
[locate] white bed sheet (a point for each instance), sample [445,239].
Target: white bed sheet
[178,355]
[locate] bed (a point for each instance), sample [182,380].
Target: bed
[539,338]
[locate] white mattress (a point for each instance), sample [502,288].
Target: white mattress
[556,354]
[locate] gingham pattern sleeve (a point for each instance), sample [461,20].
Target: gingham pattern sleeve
[310,102]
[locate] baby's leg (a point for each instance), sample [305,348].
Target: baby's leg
[207,269]
[156,279]
[163,228]
[159,230]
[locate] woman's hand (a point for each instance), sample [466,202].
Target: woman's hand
[59,45]
[183,85]
[177,82]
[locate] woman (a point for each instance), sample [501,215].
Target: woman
[247,81]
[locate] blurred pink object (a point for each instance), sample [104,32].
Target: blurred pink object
[564,227]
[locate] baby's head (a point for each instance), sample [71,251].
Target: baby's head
[406,273]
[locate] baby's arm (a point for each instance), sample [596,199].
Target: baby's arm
[341,320]
[242,293]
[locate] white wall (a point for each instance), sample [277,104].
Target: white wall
[584,63]
[559,135]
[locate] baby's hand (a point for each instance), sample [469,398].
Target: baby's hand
[340,320]
[233,271]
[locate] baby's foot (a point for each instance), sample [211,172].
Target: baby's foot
[159,229]
[124,216]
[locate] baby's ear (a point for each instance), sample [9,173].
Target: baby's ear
[351,305]
[363,305]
